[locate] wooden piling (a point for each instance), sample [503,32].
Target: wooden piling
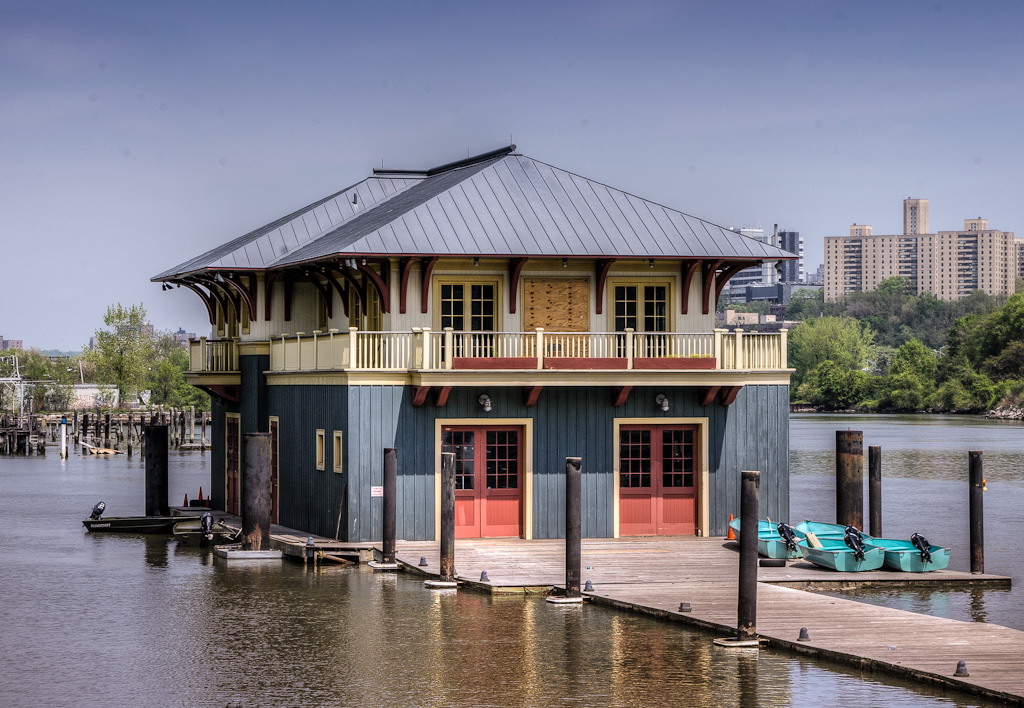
[875,490]
[156,471]
[977,512]
[256,492]
[849,478]
[746,608]
[390,505]
[447,516]
[573,526]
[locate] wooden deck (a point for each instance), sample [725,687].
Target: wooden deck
[653,575]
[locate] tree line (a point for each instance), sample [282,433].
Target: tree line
[891,349]
[145,367]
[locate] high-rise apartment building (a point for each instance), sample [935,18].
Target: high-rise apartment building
[763,274]
[915,216]
[790,271]
[948,264]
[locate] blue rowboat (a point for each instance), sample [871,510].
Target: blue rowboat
[843,554]
[910,556]
[823,530]
[770,542]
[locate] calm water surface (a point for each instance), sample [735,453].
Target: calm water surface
[89,620]
[925,490]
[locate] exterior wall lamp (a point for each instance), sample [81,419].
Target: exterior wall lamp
[662,400]
[485,401]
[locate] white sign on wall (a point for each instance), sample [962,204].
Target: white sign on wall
[376,491]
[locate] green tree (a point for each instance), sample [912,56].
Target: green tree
[806,304]
[166,376]
[123,349]
[837,339]
[836,387]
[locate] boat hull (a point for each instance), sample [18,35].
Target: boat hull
[132,524]
[905,556]
[190,533]
[769,542]
[836,555]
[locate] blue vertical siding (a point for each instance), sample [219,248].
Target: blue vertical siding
[752,433]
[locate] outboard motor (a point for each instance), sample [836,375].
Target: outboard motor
[922,545]
[786,531]
[206,524]
[97,511]
[854,541]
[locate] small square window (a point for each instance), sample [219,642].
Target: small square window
[321,462]
[336,459]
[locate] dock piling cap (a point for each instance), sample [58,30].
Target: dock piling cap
[961,670]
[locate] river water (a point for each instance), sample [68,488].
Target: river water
[90,620]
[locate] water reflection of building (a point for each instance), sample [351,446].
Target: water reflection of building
[507,311]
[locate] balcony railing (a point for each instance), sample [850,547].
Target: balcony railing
[423,349]
[216,356]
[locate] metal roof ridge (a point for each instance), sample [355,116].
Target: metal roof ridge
[448,166]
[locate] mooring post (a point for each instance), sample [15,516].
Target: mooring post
[156,472]
[63,437]
[573,526]
[106,430]
[977,484]
[390,506]
[746,608]
[255,490]
[875,490]
[849,478]
[448,516]
[131,429]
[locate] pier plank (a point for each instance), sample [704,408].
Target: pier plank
[653,575]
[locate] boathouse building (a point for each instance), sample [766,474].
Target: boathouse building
[510,312]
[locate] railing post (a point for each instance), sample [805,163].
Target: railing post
[330,335]
[783,355]
[417,349]
[716,348]
[353,358]
[739,349]
[449,343]
[428,348]
[205,354]
[629,347]
[540,347]
[316,350]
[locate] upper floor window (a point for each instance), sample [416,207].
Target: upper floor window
[643,307]
[468,306]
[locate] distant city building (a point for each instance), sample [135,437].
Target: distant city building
[817,277]
[948,264]
[6,344]
[763,274]
[182,337]
[791,271]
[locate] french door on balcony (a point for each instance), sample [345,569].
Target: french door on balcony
[657,480]
[644,309]
[488,479]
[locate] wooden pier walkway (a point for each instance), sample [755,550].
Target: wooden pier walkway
[653,575]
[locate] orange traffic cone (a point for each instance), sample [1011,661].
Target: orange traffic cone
[185,503]
[200,494]
[731,536]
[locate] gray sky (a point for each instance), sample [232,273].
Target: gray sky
[135,135]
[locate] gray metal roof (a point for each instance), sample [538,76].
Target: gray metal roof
[498,204]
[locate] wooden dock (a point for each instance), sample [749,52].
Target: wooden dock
[654,575]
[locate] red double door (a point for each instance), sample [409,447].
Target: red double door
[657,480]
[488,479]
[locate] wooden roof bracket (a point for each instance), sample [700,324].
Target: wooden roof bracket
[689,268]
[211,310]
[268,293]
[708,394]
[515,268]
[728,394]
[403,288]
[531,394]
[426,268]
[603,266]
[287,298]
[708,278]
[621,395]
[359,286]
[220,293]
[245,292]
[230,394]
[726,276]
[324,292]
[379,284]
[441,397]
[327,273]
[419,395]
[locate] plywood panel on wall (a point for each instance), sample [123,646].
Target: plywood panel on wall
[556,304]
